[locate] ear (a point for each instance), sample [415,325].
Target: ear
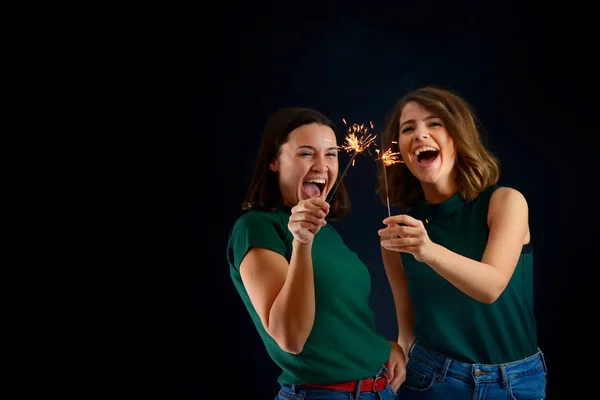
[273,166]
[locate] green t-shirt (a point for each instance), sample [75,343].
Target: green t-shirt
[449,321]
[343,344]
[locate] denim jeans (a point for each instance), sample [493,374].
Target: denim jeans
[299,392]
[431,375]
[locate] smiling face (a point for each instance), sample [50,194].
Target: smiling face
[426,146]
[307,163]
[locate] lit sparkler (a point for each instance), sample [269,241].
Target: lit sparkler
[357,140]
[388,158]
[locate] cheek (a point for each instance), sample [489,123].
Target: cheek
[404,146]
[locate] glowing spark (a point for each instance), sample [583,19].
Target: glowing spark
[358,139]
[389,158]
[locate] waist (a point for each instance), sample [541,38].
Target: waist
[475,371]
[376,383]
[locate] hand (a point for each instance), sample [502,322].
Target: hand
[406,234]
[308,216]
[396,366]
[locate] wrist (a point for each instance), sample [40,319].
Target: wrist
[300,245]
[433,255]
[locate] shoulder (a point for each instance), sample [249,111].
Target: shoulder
[252,219]
[506,200]
[257,228]
[260,225]
[504,196]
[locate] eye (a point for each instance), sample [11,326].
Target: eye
[406,129]
[306,154]
[437,123]
[332,155]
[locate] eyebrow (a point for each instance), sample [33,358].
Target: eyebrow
[424,119]
[313,148]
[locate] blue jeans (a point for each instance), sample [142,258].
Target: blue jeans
[299,392]
[431,375]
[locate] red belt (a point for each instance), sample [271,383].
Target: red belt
[367,385]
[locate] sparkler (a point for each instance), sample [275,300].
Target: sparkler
[357,140]
[387,158]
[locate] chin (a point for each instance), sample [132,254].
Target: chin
[427,178]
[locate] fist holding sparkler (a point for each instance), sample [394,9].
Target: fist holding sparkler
[308,216]
[409,235]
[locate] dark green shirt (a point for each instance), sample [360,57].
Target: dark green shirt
[449,321]
[343,344]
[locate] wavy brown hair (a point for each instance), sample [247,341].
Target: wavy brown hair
[477,168]
[264,192]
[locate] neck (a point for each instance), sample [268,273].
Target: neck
[439,192]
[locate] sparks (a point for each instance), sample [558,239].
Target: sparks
[389,158]
[358,139]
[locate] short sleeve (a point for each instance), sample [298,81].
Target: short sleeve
[255,229]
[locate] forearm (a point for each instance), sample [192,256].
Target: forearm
[478,280]
[403,304]
[293,312]
[406,337]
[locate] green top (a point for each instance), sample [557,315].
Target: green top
[449,321]
[343,344]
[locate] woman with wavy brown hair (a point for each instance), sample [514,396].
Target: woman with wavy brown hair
[460,261]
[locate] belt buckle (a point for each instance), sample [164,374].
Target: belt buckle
[375,383]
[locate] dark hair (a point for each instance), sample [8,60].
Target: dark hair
[477,168]
[264,192]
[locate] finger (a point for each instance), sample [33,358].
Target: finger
[399,377]
[314,204]
[402,242]
[320,203]
[400,231]
[402,219]
[402,249]
[308,206]
[308,217]
[394,378]
[295,227]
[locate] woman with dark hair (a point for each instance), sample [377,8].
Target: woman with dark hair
[306,292]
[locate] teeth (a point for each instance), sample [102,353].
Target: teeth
[315,181]
[422,149]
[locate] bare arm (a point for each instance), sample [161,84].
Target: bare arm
[404,308]
[282,294]
[509,231]
[483,280]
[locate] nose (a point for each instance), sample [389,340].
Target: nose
[421,133]
[320,164]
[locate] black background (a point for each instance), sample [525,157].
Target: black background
[217,74]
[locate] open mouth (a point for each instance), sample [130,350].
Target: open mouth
[426,155]
[314,187]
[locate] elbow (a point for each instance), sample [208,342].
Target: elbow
[493,294]
[488,298]
[292,349]
[288,342]
[289,345]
